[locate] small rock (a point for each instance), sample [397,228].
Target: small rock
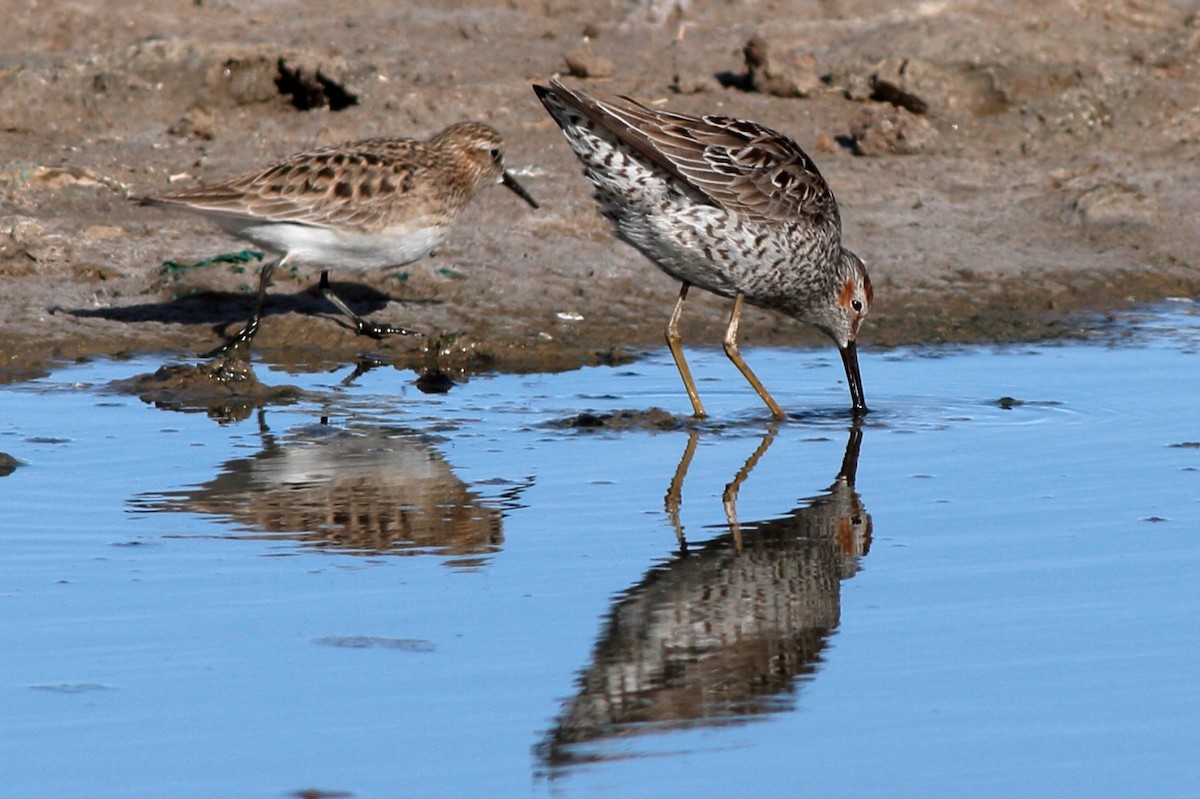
[27,236]
[55,178]
[24,230]
[1114,210]
[889,129]
[1077,112]
[893,84]
[945,91]
[855,86]
[788,75]
[8,464]
[583,63]
[692,84]
[196,123]
[49,249]
[652,419]
[104,233]
[251,80]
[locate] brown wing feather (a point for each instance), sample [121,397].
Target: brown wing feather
[753,170]
[311,187]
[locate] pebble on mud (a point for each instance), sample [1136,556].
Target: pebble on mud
[583,63]
[1115,211]
[897,86]
[887,129]
[196,123]
[789,74]
[16,236]
[691,83]
[26,236]
[948,91]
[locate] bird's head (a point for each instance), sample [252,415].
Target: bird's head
[481,148]
[841,315]
[852,302]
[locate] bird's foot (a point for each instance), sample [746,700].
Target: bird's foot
[238,347]
[230,370]
[364,328]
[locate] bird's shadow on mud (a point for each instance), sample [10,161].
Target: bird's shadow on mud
[230,309]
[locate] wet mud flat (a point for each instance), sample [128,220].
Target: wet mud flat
[1000,167]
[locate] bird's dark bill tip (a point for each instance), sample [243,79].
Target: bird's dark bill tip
[508,180]
[854,379]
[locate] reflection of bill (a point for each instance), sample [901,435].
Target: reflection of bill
[364,491]
[719,634]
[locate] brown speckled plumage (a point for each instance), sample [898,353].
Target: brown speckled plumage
[370,204]
[727,205]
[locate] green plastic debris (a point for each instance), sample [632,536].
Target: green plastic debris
[175,268]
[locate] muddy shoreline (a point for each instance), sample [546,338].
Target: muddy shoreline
[1005,172]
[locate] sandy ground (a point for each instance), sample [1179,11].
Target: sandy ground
[1001,167]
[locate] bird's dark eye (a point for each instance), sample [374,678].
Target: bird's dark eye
[497,154]
[856,305]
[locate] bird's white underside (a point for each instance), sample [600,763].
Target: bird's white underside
[328,247]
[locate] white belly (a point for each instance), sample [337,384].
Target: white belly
[326,247]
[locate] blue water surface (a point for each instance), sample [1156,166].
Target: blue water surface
[384,593]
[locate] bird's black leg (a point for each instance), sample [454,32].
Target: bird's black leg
[361,326]
[240,342]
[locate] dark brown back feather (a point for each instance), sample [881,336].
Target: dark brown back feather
[752,170]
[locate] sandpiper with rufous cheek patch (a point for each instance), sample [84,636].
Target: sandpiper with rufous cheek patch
[727,205]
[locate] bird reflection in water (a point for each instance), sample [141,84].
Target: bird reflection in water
[721,633]
[358,490]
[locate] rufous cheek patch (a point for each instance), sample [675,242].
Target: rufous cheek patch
[846,294]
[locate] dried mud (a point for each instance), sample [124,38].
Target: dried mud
[1001,167]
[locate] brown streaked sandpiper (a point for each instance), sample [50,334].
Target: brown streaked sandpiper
[370,204]
[727,205]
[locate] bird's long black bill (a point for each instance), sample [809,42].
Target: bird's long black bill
[519,190]
[854,378]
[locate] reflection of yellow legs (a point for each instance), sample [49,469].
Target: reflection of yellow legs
[729,497]
[731,349]
[675,344]
[674,496]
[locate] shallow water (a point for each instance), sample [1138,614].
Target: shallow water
[381,592]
